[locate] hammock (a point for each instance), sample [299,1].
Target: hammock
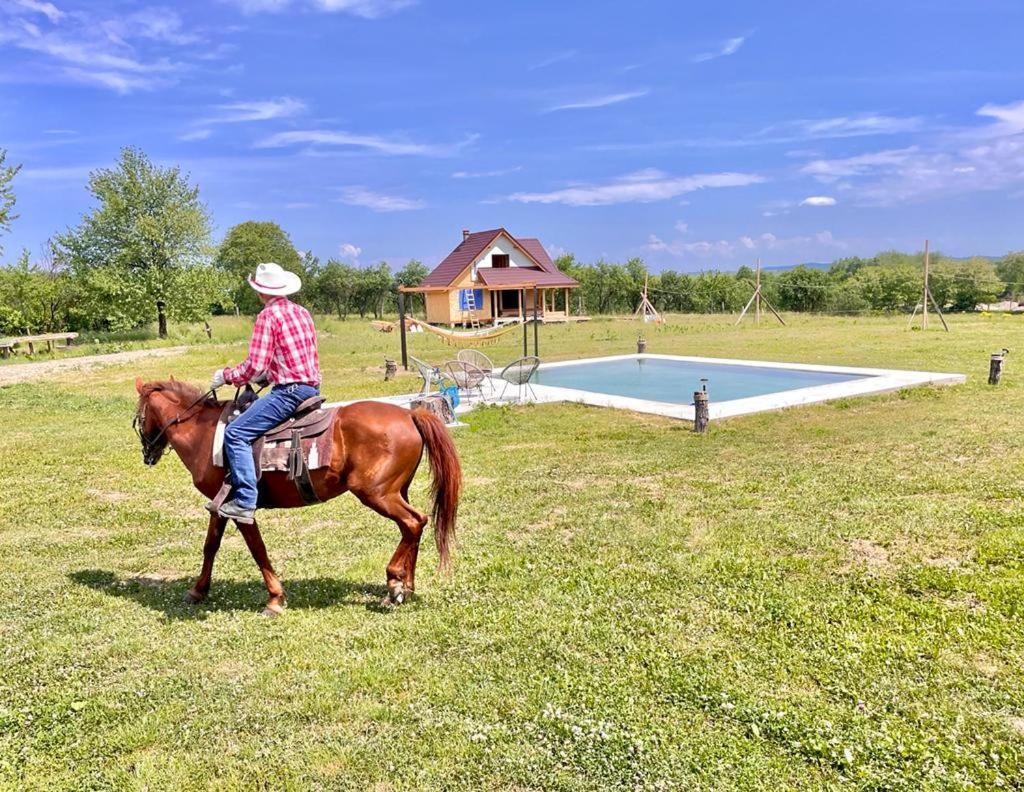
[454,338]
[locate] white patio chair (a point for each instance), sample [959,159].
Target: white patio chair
[431,375]
[466,376]
[476,358]
[519,373]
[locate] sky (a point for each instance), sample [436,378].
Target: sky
[694,135]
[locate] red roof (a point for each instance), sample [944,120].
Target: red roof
[545,274]
[514,276]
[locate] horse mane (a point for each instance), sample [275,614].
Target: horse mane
[185,391]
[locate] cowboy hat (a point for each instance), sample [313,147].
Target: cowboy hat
[271,278]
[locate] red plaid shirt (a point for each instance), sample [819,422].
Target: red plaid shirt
[283,344]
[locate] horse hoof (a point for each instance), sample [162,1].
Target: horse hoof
[272,612]
[192,597]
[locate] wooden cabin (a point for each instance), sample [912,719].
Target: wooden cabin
[493,277]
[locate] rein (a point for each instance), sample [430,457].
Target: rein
[151,445]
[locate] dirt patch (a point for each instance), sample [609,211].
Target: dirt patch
[863,553]
[24,372]
[1016,723]
[109,497]
[985,665]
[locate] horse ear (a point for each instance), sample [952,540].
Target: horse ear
[138,384]
[170,377]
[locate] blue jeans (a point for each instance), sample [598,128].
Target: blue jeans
[264,414]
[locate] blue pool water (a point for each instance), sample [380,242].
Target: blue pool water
[675,380]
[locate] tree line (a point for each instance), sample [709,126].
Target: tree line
[144,254]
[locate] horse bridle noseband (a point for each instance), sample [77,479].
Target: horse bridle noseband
[151,445]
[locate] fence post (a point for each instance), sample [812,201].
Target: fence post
[641,344]
[995,366]
[390,369]
[401,329]
[700,411]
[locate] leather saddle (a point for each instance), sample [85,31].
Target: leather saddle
[297,445]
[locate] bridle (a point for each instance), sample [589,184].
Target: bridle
[153,448]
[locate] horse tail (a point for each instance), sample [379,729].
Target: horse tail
[446,479]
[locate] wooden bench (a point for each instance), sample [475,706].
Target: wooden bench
[7,345]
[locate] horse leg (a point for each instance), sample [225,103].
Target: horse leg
[401,568]
[214,533]
[276,603]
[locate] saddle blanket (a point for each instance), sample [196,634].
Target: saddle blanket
[316,451]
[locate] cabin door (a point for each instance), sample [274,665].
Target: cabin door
[509,301]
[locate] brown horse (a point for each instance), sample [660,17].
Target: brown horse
[377,448]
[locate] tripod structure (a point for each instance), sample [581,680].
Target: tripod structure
[926,297]
[756,299]
[646,309]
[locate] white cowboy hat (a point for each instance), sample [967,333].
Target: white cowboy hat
[271,278]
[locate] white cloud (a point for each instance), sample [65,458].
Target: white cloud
[599,101]
[682,227]
[49,10]
[299,205]
[266,110]
[196,134]
[123,53]
[727,47]
[818,200]
[557,58]
[831,170]
[485,174]
[378,202]
[382,145]
[644,186]
[350,251]
[745,244]
[367,9]
[843,127]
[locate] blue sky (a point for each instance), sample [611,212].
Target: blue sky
[694,135]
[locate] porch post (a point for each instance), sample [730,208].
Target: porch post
[522,317]
[535,332]
[401,328]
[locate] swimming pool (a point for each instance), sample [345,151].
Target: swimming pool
[664,384]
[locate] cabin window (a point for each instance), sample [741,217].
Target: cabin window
[499,260]
[474,302]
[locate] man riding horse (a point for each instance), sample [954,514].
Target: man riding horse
[283,350]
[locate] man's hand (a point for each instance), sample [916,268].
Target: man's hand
[218,379]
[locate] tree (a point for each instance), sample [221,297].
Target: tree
[374,287]
[802,289]
[335,288]
[412,274]
[7,199]
[248,244]
[142,252]
[1011,269]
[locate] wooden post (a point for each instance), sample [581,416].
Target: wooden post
[536,346]
[390,369]
[401,329]
[995,366]
[206,327]
[757,288]
[641,344]
[925,294]
[522,318]
[700,411]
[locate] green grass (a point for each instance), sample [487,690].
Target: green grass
[816,598]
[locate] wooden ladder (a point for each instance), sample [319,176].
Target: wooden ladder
[474,320]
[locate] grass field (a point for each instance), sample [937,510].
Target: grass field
[823,597]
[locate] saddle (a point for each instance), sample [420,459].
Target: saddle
[301,443]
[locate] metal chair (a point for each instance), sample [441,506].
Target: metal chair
[431,375]
[476,358]
[519,373]
[466,376]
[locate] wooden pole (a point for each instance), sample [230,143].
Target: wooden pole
[995,366]
[925,294]
[522,317]
[700,411]
[536,345]
[401,329]
[757,289]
